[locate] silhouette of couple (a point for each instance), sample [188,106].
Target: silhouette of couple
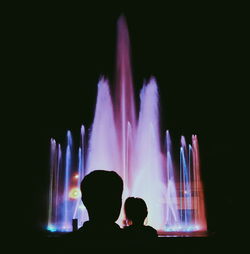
[102,196]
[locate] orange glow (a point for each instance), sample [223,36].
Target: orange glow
[76,176]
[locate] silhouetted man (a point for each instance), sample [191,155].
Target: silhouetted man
[136,212]
[102,196]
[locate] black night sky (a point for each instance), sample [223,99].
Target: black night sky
[195,53]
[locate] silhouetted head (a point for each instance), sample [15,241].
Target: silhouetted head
[102,195]
[136,210]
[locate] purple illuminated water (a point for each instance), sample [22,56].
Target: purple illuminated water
[135,149]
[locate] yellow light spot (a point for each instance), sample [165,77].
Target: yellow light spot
[74,193]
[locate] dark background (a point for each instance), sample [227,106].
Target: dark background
[197,54]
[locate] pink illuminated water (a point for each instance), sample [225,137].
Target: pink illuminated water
[134,148]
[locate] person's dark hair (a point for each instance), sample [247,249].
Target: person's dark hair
[102,195]
[135,210]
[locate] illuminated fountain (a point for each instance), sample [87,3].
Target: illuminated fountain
[133,148]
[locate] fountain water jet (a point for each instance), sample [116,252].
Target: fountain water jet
[172,215]
[103,146]
[148,166]
[134,150]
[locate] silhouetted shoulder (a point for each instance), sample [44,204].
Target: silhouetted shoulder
[151,231]
[93,236]
[140,232]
